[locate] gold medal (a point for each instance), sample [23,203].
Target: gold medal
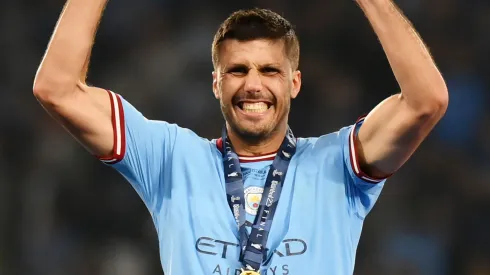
[249,272]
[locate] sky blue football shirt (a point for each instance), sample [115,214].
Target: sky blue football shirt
[179,176]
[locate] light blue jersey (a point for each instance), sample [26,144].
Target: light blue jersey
[179,176]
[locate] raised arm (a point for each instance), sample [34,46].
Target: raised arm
[395,128]
[60,86]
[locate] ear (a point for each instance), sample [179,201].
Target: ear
[296,84]
[215,85]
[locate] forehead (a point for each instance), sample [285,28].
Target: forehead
[261,51]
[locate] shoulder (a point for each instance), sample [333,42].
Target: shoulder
[327,142]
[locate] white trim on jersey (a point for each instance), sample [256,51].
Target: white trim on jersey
[257,158]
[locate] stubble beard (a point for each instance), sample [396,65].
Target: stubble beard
[254,135]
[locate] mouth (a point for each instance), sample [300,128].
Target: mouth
[254,107]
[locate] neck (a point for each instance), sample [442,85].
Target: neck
[265,146]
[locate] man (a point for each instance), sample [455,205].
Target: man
[256,200]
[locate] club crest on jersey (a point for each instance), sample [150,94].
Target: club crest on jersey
[253,195]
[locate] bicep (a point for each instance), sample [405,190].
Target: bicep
[390,135]
[86,115]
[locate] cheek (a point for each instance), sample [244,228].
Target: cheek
[227,89]
[225,94]
[282,92]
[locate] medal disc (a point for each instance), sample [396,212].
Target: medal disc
[249,272]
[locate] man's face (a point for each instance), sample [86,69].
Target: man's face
[255,83]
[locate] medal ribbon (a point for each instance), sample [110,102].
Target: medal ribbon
[253,248]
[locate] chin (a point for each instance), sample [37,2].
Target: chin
[252,127]
[252,134]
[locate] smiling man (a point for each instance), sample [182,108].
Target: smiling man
[256,76]
[257,199]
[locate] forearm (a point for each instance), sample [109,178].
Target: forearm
[420,81]
[66,60]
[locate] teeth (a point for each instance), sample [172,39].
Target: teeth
[255,107]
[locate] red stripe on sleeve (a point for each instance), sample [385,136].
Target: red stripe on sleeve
[353,157]
[118,128]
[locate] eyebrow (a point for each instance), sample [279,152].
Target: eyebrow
[244,66]
[236,66]
[274,65]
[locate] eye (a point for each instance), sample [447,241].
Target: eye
[238,70]
[270,70]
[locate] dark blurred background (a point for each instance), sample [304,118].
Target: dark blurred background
[62,212]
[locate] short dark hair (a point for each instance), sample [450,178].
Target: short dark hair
[256,23]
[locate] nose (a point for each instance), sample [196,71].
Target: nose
[253,82]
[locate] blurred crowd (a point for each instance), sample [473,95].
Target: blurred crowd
[63,212]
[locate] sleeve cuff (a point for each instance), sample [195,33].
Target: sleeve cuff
[119,130]
[353,155]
